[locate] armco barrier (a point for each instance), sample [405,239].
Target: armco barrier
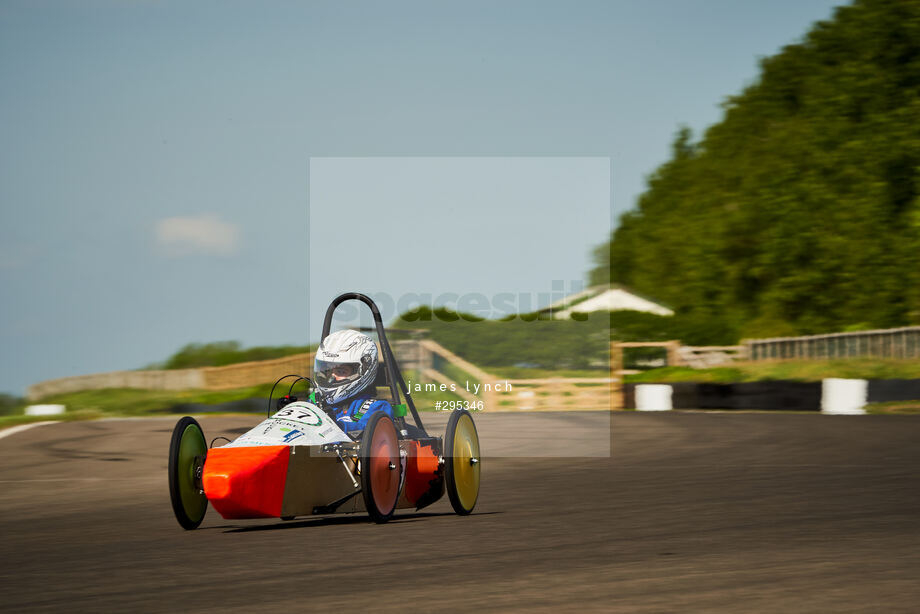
[832,396]
[769,395]
[793,396]
[884,390]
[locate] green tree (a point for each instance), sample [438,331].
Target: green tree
[800,209]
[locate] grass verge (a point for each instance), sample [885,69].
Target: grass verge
[128,402]
[894,407]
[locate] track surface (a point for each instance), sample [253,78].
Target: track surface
[691,512]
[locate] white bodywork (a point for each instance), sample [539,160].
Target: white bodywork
[299,424]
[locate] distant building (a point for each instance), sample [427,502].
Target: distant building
[604,298]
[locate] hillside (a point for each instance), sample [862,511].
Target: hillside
[799,211]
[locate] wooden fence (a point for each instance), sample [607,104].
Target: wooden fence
[256,373]
[421,356]
[240,375]
[503,394]
[557,394]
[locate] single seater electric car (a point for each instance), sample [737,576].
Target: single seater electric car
[298,462]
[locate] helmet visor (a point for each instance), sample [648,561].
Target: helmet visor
[334,374]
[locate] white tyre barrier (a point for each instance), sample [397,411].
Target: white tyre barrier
[844,396]
[653,397]
[44,410]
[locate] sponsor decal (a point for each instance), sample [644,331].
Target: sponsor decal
[300,423]
[291,435]
[363,409]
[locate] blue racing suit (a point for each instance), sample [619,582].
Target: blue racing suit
[352,414]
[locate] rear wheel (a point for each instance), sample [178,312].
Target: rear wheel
[461,462]
[380,467]
[187,452]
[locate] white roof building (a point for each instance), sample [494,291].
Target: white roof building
[604,298]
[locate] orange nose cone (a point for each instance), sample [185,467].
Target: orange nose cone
[246,482]
[217,485]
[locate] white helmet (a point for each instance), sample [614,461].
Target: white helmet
[346,364]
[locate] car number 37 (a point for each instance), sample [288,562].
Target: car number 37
[307,415]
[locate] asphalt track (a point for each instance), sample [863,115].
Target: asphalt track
[691,512]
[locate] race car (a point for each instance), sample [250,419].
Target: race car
[298,462]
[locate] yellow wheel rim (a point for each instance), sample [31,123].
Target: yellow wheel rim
[466,463]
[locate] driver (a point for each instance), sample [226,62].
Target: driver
[344,373]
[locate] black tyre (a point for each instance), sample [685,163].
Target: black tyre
[187,452]
[380,467]
[461,462]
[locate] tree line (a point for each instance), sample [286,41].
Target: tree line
[799,212]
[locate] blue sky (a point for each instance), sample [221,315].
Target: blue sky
[155,157]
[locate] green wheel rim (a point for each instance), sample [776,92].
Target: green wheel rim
[187,452]
[191,444]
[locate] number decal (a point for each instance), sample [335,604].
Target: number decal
[301,414]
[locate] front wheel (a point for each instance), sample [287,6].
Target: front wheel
[380,467]
[461,462]
[187,452]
